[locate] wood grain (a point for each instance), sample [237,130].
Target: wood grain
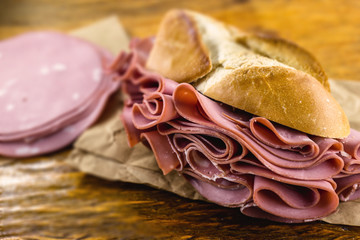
[43,198]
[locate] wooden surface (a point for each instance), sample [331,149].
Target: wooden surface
[43,198]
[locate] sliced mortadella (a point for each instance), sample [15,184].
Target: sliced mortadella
[166,158]
[130,68]
[219,151]
[290,159]
[132,133]
[304,201]
[40,95]
[155,108]
[278,136]
[135,95]
[148,82]
[197,108]
[230,193]
[318,172]
[216,146]
[352,144]
[351,165]
[326,165]
[201,165]
[249,166]
[107,87]
[236,159]
[348,187]
[60,138]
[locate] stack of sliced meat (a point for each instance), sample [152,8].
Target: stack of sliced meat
[52,87]
[231,157]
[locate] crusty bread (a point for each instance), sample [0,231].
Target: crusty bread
[286,52]
[267,77]
[184,51]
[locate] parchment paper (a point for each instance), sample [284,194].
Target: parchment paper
[102,150]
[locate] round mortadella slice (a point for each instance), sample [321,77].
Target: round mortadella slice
[62,137]
[46,81]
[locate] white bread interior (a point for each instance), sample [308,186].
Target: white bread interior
[268,77]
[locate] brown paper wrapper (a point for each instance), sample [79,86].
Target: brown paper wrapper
[102,150]
[107,33]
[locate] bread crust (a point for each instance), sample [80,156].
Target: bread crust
[288,53]
[185,58]
[283,95]
[268,77]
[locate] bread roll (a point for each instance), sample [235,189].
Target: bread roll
[268,77]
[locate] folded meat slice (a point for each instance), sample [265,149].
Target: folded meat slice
[282,137]
[230,191]
[350,154]
[351,165]
[352,144]
[155,108]
[291,200]
[216,146]
[129,69]
[166,158]
[280,159]
[349,180]
[348,187]
[132,133]
[291,203]
[142,82]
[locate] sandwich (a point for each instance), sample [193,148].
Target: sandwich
[247,119]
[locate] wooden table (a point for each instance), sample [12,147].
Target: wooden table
[43,198]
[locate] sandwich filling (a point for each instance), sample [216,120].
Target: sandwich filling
[231,157]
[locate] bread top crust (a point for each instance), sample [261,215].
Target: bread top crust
[184,58]
[267,77]
[288,53]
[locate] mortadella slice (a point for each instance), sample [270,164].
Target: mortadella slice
[52,87]
[46,79]
[61,138]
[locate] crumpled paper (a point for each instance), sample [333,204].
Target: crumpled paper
[102,150]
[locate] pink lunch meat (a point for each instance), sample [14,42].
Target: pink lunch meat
[231,157]
[52,87]
[62,137]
